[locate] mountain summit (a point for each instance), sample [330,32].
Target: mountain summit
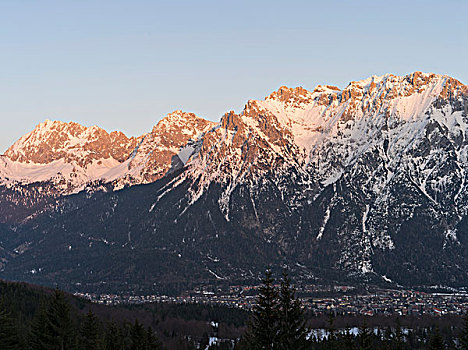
[71,142]
[78,155]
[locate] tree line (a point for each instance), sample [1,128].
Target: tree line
[54,327]
[278,322]
[33,317]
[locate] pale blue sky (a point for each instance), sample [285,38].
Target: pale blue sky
[125,64]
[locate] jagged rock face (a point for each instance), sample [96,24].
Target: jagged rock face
[67,158]
[153,156]
[72,142]
[244,149]
[365,182]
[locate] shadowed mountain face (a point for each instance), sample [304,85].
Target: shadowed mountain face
[365,183]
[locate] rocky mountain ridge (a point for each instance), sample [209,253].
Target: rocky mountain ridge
[71,155]
[364,182]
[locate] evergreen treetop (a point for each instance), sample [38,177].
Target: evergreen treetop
[262,332]
[292,333]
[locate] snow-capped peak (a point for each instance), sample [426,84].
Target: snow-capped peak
[368,81]
[310,116]
[54,140]
[75,154]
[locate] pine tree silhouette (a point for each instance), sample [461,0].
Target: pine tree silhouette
[436,342]
[137,336]
[52,327]
[365,337]
[60,328]
[348,340]
[152,342]
[262,332]
[399,343]
[332,338]
[292,334]
[114,337]
[90,333]
[9,339]
[464,334]
[39,338]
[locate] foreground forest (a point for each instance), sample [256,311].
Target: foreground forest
[33,317]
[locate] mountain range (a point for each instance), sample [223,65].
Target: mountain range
[364,184]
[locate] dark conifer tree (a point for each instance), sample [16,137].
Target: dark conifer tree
[388,337]
[262,332]
[205,340]
[464,334]
[90,333]
[292,334]
[39,337]
[137,336]
[436,342]
[9,339]
[365,337]
[60,328]
[411,340]
[332,341]
[399,341]
[348,340]
[152,342]
[114,338]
